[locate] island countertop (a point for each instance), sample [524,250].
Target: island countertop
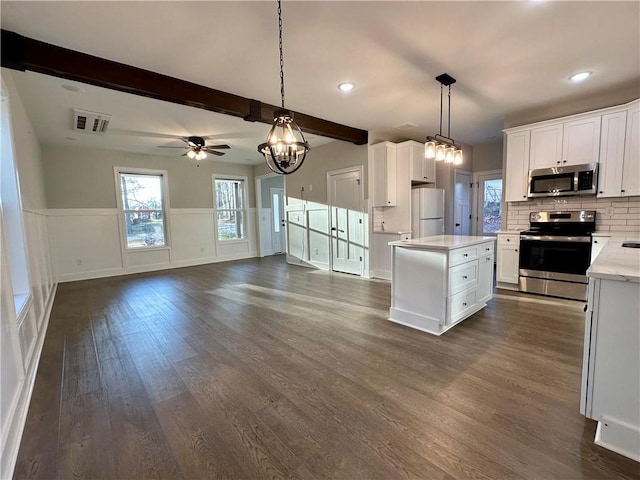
[442,242]
[616,262]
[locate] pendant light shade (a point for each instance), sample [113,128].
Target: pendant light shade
[285,148]
[442,148]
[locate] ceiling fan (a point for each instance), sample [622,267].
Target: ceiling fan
[196,148]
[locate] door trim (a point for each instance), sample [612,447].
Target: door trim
[365,231]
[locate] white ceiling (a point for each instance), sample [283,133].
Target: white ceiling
[507,57]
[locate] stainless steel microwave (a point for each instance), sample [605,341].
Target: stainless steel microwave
[563,181]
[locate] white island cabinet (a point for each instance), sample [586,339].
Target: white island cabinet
[611,365]
[436,282]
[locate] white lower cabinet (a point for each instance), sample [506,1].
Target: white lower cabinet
[434,288]
[508,260]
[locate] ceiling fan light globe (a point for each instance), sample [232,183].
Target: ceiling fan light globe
[191,154]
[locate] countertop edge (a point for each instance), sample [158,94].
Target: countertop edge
[426,244]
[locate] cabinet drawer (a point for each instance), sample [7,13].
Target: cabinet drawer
[460,304]
[486,249]
[508,239]
[462,277]
[461,255]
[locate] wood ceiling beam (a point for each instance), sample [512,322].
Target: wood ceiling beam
[23,53]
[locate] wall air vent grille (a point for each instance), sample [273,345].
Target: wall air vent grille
[90,122]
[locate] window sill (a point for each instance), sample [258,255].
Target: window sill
[242,240]
[146,249]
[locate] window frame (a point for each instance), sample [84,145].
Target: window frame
[124,244]
[244,209]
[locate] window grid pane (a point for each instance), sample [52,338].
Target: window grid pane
[492,211]
[143,209]
[229,197]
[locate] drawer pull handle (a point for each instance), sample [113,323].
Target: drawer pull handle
[464,277]
[464,304]
[465,254]
[508,239]
[487,249]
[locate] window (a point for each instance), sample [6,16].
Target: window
[230,205]
[490,208]
[142,195]
[11,212]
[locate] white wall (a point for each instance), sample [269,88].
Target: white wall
[23,332]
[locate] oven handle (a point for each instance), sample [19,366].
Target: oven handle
[554,238]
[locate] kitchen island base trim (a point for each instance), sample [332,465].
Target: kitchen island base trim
[426,324]
[619,437]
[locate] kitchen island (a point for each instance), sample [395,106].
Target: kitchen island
[611,364]
[436,282]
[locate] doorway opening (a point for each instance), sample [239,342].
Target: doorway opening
[346,220]
[487,202]
[270,204]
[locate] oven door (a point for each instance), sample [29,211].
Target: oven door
[555,257]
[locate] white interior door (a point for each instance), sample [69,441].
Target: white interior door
[277,219]
[462,203]
[347,226]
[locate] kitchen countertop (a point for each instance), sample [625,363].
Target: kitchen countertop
[442,242]
[616,262]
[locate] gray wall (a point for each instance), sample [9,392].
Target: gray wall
[267,184]
[319,161]
[77,177]
[487,156]
[615,95]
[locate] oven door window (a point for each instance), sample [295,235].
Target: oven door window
[560,183]
[554,256]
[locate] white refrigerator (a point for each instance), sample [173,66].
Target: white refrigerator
[427,212]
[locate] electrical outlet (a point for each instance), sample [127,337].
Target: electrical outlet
[311,188]
[315,251]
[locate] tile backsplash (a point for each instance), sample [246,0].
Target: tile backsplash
[378,219]
[619,216]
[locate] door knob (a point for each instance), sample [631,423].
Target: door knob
[457,224]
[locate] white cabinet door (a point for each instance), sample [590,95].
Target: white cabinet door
[517,166]
[508,258]
[485,278]
[546,147]
[421,169]
[581,141]
[383,170]
[631,168]
[612,139]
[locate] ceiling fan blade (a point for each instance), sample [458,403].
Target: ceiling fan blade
[170,146]
[213,152]
[219,147]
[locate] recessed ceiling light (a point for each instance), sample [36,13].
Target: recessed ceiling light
[578,77]
[72,88]
[347,86]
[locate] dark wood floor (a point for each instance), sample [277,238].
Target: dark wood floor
[255,369]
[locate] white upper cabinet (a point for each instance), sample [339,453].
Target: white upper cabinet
[546,147]
[421,170]
[611,154]
[581,141]
[631,166]
[517,166]
[384,175]
[619,174]
[570,143]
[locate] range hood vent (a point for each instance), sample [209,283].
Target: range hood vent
[90,122]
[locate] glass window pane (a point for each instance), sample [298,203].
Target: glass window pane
[141,192]
[276,213]
[230,225]
[144,229]
[492,211]
[229,194]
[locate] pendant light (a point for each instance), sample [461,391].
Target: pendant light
[285,148]
[442,148]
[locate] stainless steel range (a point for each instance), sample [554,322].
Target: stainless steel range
[555,253]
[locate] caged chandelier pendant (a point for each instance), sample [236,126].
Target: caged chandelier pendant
[438,146]
[285,148]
